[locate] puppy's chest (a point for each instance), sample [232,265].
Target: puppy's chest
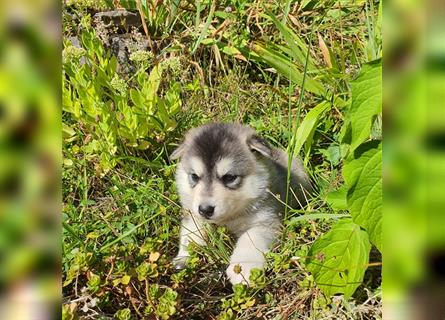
[239,225]
[242,224]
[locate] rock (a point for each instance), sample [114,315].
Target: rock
[123,20]
[122,45]
[120,31]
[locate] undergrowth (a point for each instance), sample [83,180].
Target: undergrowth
[121,212]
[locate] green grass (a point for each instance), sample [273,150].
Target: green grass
[120,226]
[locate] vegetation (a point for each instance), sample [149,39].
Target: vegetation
[305,74]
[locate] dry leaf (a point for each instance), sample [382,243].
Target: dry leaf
[325,51]
[154,256]
[240,57]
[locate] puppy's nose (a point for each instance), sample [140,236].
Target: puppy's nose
[206,210]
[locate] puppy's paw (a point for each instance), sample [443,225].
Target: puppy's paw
[180,262]
[240,272]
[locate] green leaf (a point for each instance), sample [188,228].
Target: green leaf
[173,98]
[338,259]
[205,28]
[230,50]
[285,67]
[337,198]
[298,49]
[123,314]
[363,176]
[67,131]
[150,88]
[366,101]
[125,279]
[307,127]
[137,98]
[208,41]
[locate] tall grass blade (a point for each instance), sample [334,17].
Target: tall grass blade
[206,27]
[295,43]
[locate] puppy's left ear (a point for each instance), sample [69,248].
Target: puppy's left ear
[178,152]
[260,145]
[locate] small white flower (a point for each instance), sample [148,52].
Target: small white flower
[72,54]
[119,85]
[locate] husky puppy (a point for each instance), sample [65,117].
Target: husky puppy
[228,175]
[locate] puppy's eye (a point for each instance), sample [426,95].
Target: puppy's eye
[229,178]
[194,177]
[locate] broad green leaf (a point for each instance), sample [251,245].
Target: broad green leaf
[173,98]
[366,101]
[68,133]
[337,198]
[69,104]
[363,176]
[338,259]
[151,87]
[307,127]
[286,68]
[137,98]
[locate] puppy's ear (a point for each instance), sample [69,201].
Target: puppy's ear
[260,145]
[178,152]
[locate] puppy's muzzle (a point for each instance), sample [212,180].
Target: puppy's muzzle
[206,210]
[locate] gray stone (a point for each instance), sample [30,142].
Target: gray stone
[123,20]
[122,45]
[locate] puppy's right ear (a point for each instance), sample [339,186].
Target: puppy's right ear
[258,144]
[178,152]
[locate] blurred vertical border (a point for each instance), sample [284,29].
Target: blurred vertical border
[414,160]
[30,159]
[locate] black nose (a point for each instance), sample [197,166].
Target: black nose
[206,210]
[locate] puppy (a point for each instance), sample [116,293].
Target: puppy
[229,176]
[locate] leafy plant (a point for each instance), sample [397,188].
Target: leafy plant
[167,304]
[363,177]
[366,102]
[146,269]
[240,301]
[123,314]
[338,260]
[117,116]
[257,278]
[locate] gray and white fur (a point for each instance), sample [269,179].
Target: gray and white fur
[228,175]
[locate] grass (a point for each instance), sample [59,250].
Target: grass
[120,229]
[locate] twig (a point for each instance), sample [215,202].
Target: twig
[200,72]
[147,295]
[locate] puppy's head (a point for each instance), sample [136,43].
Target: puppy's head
[220,173]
